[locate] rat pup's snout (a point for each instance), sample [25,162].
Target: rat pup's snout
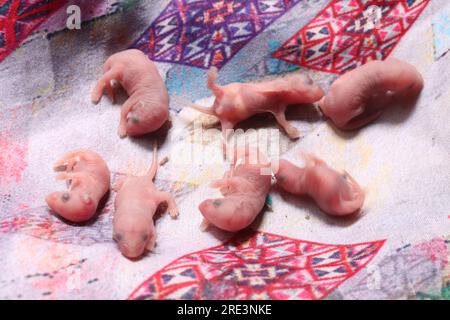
[133,236]
[134,250]
[207,205]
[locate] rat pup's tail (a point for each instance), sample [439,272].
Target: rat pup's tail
[154,167]
[211,82]
[186,102]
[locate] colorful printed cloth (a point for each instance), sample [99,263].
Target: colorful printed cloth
[397,248]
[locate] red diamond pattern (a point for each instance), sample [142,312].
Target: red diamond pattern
[18,18]
[259,265]
[349,33]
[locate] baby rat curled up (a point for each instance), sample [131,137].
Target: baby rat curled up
[236,102]
[147,107]
[361,95]
[244,187]
[88,179]
[336,193]
[136,203]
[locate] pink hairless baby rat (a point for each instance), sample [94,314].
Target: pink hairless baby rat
[361,95]
[236,102]
[336,193]
[88,178]
[135,205]
[244,188]
[147,107]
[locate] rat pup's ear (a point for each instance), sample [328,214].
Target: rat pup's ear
[87,199]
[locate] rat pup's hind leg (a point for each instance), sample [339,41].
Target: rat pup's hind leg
[171,205]
[127,108]
[280,116]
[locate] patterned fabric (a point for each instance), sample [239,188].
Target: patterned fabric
[414,271]
[348,33]
[13,147]
[41,223]
[45,111]
[12,159]
[259,266]
[18,18]
[209,32]
[441,30]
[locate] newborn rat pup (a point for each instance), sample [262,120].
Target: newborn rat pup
[236,102]
[361,95]
[336,193]
[244,188]
[88,179]
[147,107]
[136,203]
